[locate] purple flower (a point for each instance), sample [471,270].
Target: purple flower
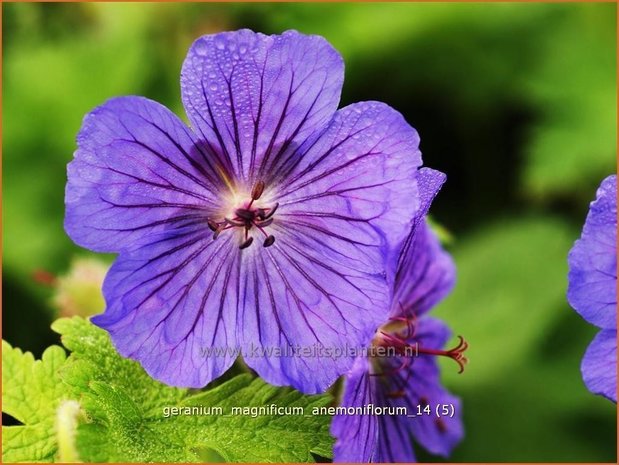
[262,228]
[592,288]
[405,374]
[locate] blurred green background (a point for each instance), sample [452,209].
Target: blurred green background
[515,102]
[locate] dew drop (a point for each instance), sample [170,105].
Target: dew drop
[200,48]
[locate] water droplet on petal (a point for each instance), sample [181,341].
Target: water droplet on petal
[200,48]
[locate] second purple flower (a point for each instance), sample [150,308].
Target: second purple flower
[267,225]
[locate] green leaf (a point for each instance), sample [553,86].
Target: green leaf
[31,392]
[127,412]
[573,145]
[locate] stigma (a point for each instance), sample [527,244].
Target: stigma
[247,216]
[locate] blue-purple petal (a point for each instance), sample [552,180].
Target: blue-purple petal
[599,365]
[137,170]
[394,444]
[311,293]
[356,435]
[171,304]
[430,182]
[253,97]
[592,288]
[360,171]
[425,276]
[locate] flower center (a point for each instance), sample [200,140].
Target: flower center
[247,217]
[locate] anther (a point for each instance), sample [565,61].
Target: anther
[246,243]
[257,190]
[269,241]
[247,217]
[212,225]
[271,212]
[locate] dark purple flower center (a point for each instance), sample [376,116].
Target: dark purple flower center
[246,217]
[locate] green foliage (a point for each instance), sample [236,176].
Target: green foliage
[31,392]
[124,410]
[498,295]
[574,143]
[44,120]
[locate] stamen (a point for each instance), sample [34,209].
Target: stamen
[212,225]
[269,241]
[259,226]
[246,243]
[410,321]
[406,350]
[234,223]
[456,354]
[248,217]
[257,191]
[222,227]
[271,212]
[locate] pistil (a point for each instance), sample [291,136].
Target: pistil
[405,345]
